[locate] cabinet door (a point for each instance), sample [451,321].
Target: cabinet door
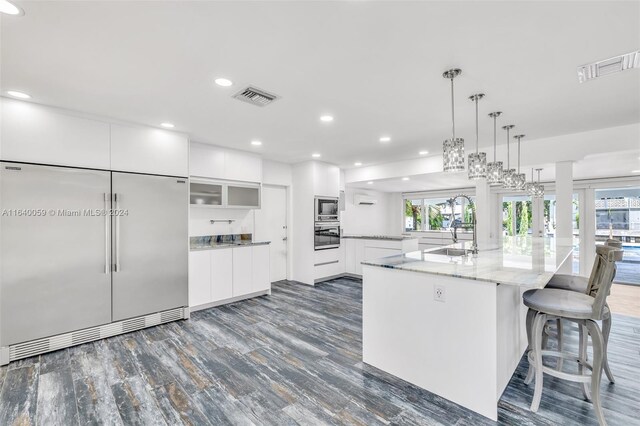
[199,277]
[350,255]
[243,196]
[371,253]
[36,134]
[148,150]
[242,166]
[359,255]
[221,274]
[260,269]
[206,161]
[242,271]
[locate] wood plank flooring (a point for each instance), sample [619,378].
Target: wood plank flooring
[292,358]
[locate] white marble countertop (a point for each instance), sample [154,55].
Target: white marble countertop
[522,261]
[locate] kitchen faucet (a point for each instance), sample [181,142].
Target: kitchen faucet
[454,227]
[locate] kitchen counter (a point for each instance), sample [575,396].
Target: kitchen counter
[214,245]
[521,261]
[452,325]
[380,237]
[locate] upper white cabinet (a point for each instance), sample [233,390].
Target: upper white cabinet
[34,133]
[148,150]
[219,163]
[326,179]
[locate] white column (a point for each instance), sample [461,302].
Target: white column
[483,212]
[537,227]
[587,231]
[564,207]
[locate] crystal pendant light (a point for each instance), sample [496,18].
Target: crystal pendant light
[508,175]
[477,160]
[453,149]
[539,191]
[494,169]
[520,180]
[531,186]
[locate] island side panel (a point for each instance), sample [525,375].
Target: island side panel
[448,348]
[511,332]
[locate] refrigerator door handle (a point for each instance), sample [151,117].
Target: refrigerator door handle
[116,265]
[107,236]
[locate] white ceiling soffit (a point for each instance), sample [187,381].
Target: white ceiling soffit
[375,66]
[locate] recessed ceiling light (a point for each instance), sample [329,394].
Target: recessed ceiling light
[385,139]
[405,178]
[357,164]
[316,155]
[18,95]
[168,125]
[370,182]
[223,82]
[256,143]
[423,152]
[326,118]
[9,8]
[635,171]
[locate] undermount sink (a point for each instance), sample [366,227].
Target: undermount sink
[451,252]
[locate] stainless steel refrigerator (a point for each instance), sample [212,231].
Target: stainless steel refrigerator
[65,266]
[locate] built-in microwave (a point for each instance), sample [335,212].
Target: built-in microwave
[326,235]
[327,209]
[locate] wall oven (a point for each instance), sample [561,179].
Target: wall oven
[327,209]
[326,235]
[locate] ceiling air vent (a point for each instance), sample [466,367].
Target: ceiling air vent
[609,66]
[255,96]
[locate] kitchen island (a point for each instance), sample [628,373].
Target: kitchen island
[455,325]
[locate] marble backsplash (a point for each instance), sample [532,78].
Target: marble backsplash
[207,240]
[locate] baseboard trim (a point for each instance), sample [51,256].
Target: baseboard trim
[229,300]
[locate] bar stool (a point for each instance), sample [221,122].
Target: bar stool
[579,284]
[584,309]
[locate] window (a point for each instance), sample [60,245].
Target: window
[434,214]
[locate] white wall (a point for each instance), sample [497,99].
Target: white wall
[382,218]
[276,173]
[199,217]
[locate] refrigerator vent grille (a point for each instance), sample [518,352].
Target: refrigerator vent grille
[255,96]
[61,341]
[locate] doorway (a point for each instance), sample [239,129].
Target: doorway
[271,224]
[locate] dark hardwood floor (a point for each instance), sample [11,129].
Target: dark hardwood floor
[290,358]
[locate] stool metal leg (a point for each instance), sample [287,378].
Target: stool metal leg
[531,314]
[559,338]
[583,343]
[606,329]
[537,332]
[598,357]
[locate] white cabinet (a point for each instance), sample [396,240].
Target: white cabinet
[199,277]
[148,150]
[378,252]
[219,194]
[206,161]
[227,274]
[221,274]
[37,134]
[242,166]
[243,196]
[359,256]
[261,268]
[359,250]
[219,163]
[350,255]
[242,271]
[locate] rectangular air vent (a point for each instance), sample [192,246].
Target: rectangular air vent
[255,96]
[609,66]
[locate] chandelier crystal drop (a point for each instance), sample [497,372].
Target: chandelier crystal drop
[531,186]
[539,191]
[508,175]
[520,180]
[477,160]
[453,149]
[494,169]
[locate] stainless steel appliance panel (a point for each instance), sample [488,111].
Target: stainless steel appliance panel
[54,274]
[150,244]
[326,236]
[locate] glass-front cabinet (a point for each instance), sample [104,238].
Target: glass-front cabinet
[239,195]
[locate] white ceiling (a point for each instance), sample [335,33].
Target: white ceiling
[375,66]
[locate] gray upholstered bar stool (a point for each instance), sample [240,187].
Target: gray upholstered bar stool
[580,284]
[584,309]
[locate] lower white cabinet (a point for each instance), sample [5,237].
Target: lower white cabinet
[359,250]
[221,274]
[227,274]
[242,271]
